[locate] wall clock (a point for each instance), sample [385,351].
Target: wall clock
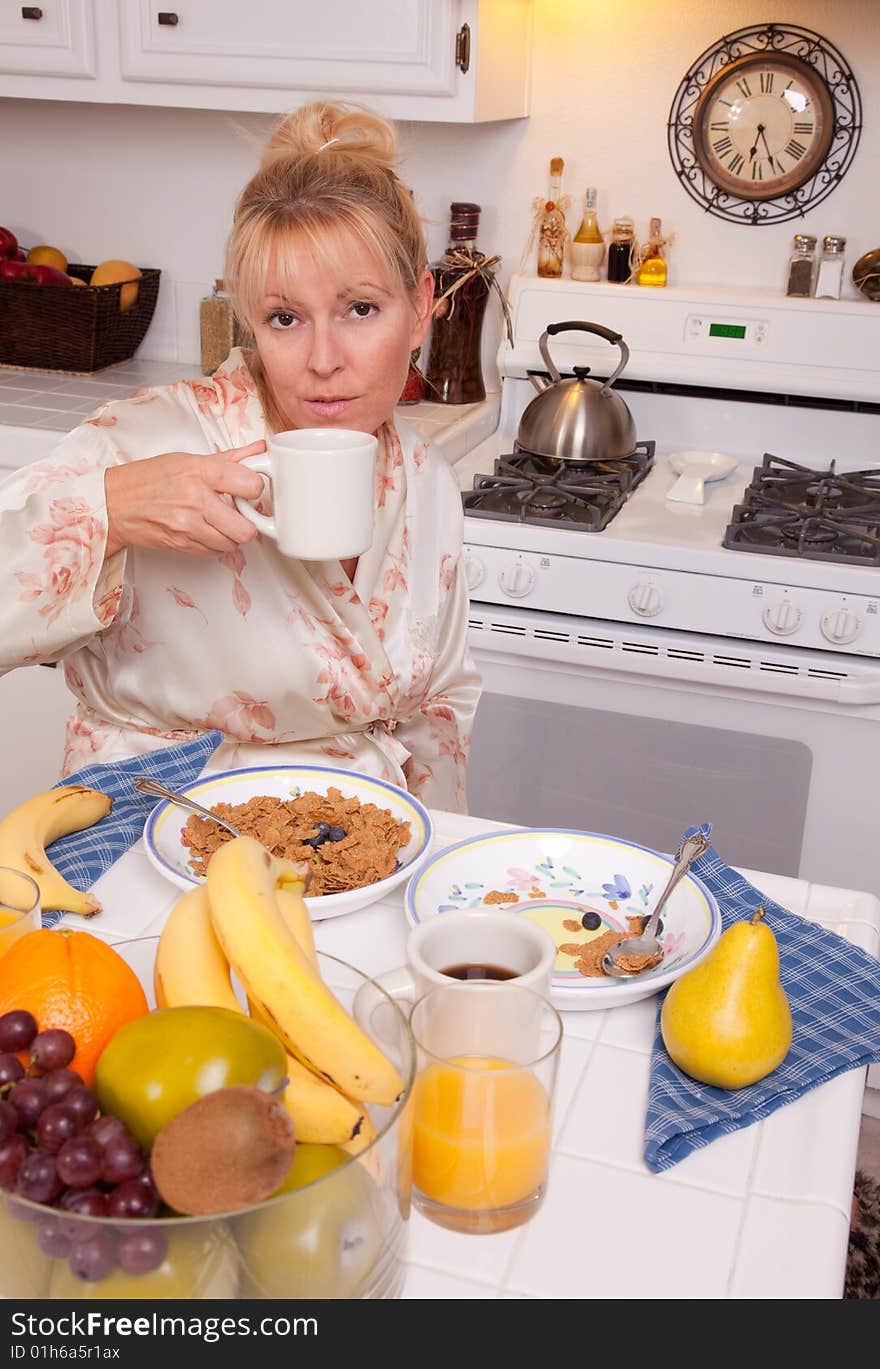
[765,124]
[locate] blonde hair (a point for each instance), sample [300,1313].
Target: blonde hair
[325,167]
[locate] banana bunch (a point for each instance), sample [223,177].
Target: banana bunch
[29,829]
[250,917]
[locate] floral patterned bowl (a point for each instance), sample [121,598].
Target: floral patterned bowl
[164,831]
[579,886]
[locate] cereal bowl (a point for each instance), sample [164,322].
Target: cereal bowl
[165,830]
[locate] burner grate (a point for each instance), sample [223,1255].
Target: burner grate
[792,510]
[583,496]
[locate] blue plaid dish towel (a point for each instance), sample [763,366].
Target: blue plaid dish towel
[833,988]
[82,857]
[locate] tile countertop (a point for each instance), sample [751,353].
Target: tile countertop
[762,1213]
[56,402]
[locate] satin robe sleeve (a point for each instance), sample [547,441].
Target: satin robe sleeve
[438,734]
[56,588]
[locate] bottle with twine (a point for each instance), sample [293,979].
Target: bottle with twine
[549,226]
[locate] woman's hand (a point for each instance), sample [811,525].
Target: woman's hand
[181,501]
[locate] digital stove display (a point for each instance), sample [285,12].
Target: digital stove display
[581,495]
[819,515]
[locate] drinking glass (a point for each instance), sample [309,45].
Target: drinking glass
[19,906]
[481,1111]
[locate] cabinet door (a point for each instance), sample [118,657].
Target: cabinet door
[409,58]
[54,38]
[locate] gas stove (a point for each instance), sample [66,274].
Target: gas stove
[784,549]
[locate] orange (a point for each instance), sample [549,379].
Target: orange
[47,256]
[109,272]
[72,980]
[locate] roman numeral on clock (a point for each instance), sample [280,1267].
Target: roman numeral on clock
[736,163]
[721,124]
[744,86]
[766,82]
[795,149]
[722,146]
[803,127]
[757,171]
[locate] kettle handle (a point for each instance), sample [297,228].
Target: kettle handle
[616,339]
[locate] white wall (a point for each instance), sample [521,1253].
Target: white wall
[156,186]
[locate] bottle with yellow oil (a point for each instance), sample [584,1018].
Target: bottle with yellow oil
[652,269]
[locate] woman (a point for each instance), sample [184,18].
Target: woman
[125,557]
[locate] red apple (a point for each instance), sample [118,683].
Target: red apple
[12,270]
[19,255]
[8,242]
[47,275]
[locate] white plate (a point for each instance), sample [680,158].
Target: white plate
[557,876]
[694,469]
[163,833]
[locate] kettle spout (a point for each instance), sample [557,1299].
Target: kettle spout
[540,382]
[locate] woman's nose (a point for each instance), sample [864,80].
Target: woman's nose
[325,354]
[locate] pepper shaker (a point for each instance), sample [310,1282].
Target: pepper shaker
[802,266]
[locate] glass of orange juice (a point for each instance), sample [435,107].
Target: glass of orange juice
[482,1104]
[19,906]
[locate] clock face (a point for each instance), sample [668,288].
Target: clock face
[763,126]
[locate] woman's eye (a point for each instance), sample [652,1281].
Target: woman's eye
[281,319]
[362,308]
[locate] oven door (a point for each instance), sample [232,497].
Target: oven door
[639,733]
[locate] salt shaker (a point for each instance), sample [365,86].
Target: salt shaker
[802,266]
[829,278]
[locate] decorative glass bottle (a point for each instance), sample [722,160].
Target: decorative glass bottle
[462,282]
[552,232]
[588,245]
[652,270]
[217,330]
[622,251]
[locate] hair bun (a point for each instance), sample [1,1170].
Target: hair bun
[333,129]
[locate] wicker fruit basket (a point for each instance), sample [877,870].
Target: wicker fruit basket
[71,327]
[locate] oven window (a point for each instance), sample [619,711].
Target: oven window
[548,764]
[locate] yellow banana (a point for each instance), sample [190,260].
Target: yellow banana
[243,879]
[191,968]
[29,829]
[296,915]
[190,965]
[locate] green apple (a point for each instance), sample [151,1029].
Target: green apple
[157,1064]
[202,1262]
[318,1241]
[310,1162]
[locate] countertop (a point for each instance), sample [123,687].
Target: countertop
[763,1213]
[55,402]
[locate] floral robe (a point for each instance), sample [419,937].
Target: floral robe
[291,660]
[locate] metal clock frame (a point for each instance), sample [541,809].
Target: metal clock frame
[767,40]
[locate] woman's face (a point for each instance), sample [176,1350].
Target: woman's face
[336,350]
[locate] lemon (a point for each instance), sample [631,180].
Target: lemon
[110,272]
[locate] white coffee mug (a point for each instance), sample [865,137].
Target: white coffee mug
[444,948]
[323,484]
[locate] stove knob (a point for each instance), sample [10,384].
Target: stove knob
[645,599]
[840,625]
[517,580]
[783,618]
[474,570]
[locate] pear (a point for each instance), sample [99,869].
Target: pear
[727,1022]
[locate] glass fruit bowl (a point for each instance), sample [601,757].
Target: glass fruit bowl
[341,1234]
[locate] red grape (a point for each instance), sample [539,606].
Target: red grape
[28,1097]
[37,1178]
[79,1162]
[11,1069]
[59,1083]
[140,1251]
[55,1126]
[133,1199]
[85,1202]
[123,1159]
[12,1153]
[17,1030]
[52,1049]
[8,1120]
[104,1128]
[53,1237]
[82,1104]
[92,1259]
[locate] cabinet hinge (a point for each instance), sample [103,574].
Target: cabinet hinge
[463,47]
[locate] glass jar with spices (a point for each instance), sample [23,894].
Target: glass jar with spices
[622,251]
[829,277]
[801,277]
[218,332]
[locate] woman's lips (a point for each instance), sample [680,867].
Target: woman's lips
[328,408]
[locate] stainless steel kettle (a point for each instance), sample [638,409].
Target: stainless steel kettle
[577,419]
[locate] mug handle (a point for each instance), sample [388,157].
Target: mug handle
[263,466]
[398,984]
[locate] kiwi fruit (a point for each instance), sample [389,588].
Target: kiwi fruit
[226,1151]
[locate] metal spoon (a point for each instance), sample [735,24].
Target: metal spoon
[158,791]
[647,943]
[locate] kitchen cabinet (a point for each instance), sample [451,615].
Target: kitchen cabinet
[457,61]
